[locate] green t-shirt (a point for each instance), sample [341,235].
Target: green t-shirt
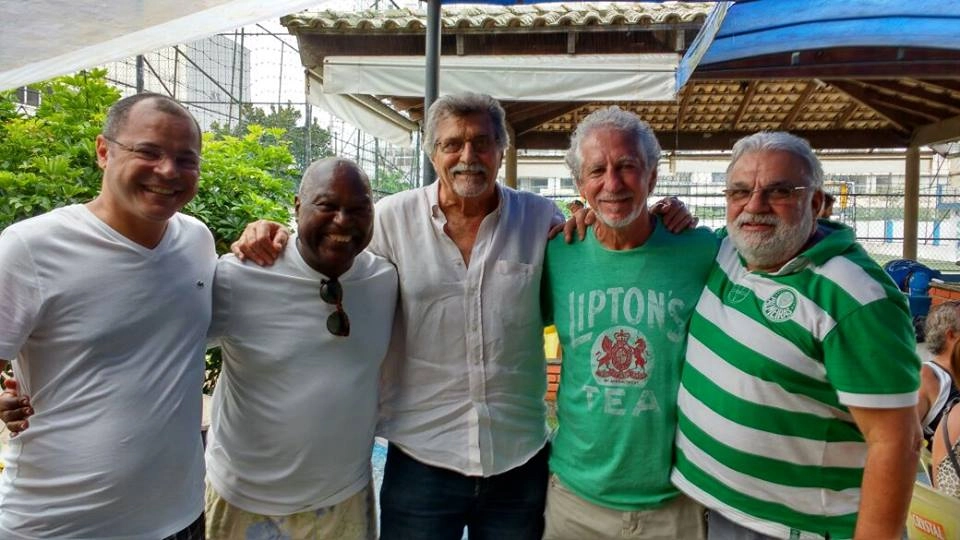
[622,321]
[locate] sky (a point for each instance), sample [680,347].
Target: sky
[272,80]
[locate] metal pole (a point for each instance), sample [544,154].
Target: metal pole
[308,143]
[139,73]
[280,80]
[432,78]
[911,202]
[240,88]
[233,78]
[176,70]
[415,166]
[376,161]
[510,167]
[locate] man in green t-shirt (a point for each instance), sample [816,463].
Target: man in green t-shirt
[797,398]
[621,300]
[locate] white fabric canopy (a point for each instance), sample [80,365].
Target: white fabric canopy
[367,114]
[40,39]
[620,77]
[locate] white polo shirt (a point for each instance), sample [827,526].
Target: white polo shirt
[464,377]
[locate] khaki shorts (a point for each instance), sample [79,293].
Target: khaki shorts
[352,519]
[569,517]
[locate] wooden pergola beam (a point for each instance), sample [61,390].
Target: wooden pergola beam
[900,119]
[941,101]
[801,102]
[939,132]
[723,140]
[744,103]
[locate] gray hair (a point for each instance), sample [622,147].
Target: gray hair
[784,142]
[648,148]
[120,111]
[941,318]
[465,104]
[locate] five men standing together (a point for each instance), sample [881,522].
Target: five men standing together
[790,424]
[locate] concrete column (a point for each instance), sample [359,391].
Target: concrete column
[911,202]
[510,159]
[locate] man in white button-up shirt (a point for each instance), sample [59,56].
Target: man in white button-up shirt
[462,399]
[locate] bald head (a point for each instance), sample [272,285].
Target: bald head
[334,215]
[319,174]
[118,114]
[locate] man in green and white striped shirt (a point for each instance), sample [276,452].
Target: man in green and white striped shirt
[797,399]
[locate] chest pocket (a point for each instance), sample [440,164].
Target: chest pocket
[515,292]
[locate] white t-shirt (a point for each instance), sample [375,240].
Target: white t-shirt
[295,407]
[107,338]
[465,375]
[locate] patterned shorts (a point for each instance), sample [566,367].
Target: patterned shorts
[352,519]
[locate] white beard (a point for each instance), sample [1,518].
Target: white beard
[469,187]
[769,249]
[616,223]
[622,222]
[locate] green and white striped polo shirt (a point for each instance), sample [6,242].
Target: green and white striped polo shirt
[773,360]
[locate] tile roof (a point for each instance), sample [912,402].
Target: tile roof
[490,17]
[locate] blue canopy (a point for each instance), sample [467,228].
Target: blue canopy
[749,28]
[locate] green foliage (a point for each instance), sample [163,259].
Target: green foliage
[286,119]
[214,363]
[48,160]
[243,179]
[390,181]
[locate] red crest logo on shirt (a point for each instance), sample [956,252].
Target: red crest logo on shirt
[623,360]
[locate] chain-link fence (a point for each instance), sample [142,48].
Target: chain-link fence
[253,75]
[873,209]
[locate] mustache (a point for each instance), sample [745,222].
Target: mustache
[468,168]
[763,219]
[613,197]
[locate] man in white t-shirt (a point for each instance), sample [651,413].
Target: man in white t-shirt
[295,407]
[105,311]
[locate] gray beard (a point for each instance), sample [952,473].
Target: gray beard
[768,250]
[622,222]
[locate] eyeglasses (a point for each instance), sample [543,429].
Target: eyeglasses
[153,155]
[332,293]
[480,145]
[773,194]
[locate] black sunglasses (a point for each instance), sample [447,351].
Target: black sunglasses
[332,293]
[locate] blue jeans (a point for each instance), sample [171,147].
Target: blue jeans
[422,502]
[721,528]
